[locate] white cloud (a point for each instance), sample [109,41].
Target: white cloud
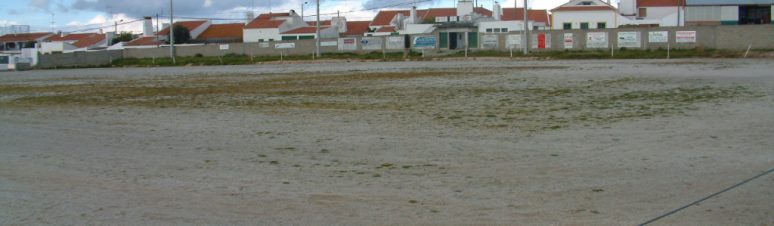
[207,3]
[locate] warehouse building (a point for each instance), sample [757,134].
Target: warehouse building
[728,12]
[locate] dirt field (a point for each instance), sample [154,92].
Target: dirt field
[480,142]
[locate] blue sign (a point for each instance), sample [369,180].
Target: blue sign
[424,42]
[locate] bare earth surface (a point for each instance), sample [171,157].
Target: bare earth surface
[480,142]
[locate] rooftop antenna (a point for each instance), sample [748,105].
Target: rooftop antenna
[269,7]
[53,23]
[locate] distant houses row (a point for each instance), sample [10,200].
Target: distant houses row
[575,14]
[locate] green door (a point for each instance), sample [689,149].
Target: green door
[444,40]
[472,39]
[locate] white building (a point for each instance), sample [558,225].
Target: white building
[512,19]
[728,12]
[657,13]
[585,14]
[269,27]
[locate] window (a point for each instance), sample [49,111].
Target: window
[271,39]
[489,30]
[567,26]
[643,12]
[601,25]
[585,26]
[3,59]
[505,30]
[260,40]
[288,38]
[497,30]
[305,37]
[585,3]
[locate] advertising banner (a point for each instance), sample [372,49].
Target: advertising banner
[371,43]
[513,41]
[569,41]
[285,45]
[347,44]
[224,47]
[685,36]
[489,41]
[329,43]
[629,39]
[396,42]
[263,45]
[596,40]
[658,36]
[541,41]
[424,42]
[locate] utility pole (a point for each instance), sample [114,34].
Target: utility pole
[172,31]
[317,43]
[525,39]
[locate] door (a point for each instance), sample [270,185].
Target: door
[453,40]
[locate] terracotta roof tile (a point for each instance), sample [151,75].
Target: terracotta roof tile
[89,41]
[259,24]
[69,37]
[536,15]
[269,16]
[144,41]
[190,25]
[25,37]
[357,27]
[223,31]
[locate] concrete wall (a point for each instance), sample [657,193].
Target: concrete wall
[78,59]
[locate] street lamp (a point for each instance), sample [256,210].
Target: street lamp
[302,10]
[172,32]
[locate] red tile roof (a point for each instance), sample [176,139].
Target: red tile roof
[190,25]
[386,29]
[89,41]
[384,17]
[583,8]
[25,37]
[223,31]
[537,15]
[144,41]
[70,37]
[269,16]
[659,3]
[259,24]
[357,27]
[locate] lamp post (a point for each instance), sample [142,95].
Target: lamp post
[172,32]
[317,43]
[302,9]
[525,38]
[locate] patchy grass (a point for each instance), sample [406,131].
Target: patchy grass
[622,53]
[527,104]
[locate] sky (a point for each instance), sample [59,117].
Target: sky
[92,15]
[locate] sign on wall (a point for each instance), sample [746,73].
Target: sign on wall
[489,41]
[329,43]
[396,42]
[569,41]
[424,42]
[685,36]
[285,45]
[658,36]
[224,47]
[629,39]
[596,40]
[371,43]
[263,45]
[513,41]
[347,44]
[541,41]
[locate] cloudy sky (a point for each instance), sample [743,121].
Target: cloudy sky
[90,15]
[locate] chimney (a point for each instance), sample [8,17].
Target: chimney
[464,8]
[109,37]
[413,15]
[496,11]
[147,27]
[249,16]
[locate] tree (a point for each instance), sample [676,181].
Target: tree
[123,37]
[182,35]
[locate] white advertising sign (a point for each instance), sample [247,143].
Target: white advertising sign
[348,44]
[224,47]
[596,40]
[329,43]
[489,41]
[424,42]
[371,43]
[263,45]
[658,36]
[396,42]
[629,39]
[569,42]
[513,41]
[285,45]
[685,36]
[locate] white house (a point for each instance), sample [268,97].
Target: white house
[512,19]
[662,13]
[195,28]
[269,27]
[585,14]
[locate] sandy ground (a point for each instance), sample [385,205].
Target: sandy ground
[474,144]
